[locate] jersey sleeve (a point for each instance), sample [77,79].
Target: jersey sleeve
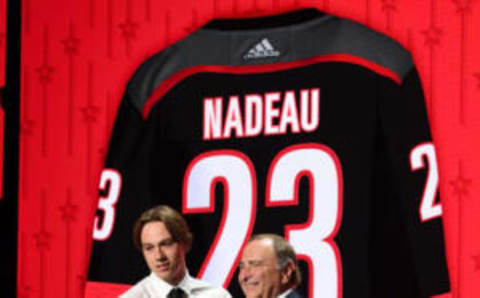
[413,174]
[123,195]
[127,182]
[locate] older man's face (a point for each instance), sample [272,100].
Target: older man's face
[259,274]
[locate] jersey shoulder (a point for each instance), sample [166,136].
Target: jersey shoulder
[329,35]
[360,40]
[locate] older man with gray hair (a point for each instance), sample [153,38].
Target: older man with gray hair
[269,268]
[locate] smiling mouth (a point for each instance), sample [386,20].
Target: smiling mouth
[250,284]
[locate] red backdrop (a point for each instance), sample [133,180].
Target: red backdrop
[3,52]
[3,39]
[78,55]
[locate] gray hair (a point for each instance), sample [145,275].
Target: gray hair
[284,253]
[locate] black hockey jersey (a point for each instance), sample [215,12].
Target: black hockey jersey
[304,125]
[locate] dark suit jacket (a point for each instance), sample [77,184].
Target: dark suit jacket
[294,294]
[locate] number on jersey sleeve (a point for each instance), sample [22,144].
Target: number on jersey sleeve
[110,183]
[429,209]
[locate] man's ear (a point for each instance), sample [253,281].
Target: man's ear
[286,274]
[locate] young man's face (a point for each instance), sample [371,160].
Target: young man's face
[164,256]
[259,275]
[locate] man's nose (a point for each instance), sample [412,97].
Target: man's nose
[245,272]
[159,254]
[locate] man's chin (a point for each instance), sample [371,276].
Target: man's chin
[170,276]
[252,293]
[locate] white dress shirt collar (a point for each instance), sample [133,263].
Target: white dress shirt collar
[187,284]
[284,294]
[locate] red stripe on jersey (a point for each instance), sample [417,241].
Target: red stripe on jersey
[182,74]
[104,289]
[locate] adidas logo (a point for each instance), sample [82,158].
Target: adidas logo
[261,50]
